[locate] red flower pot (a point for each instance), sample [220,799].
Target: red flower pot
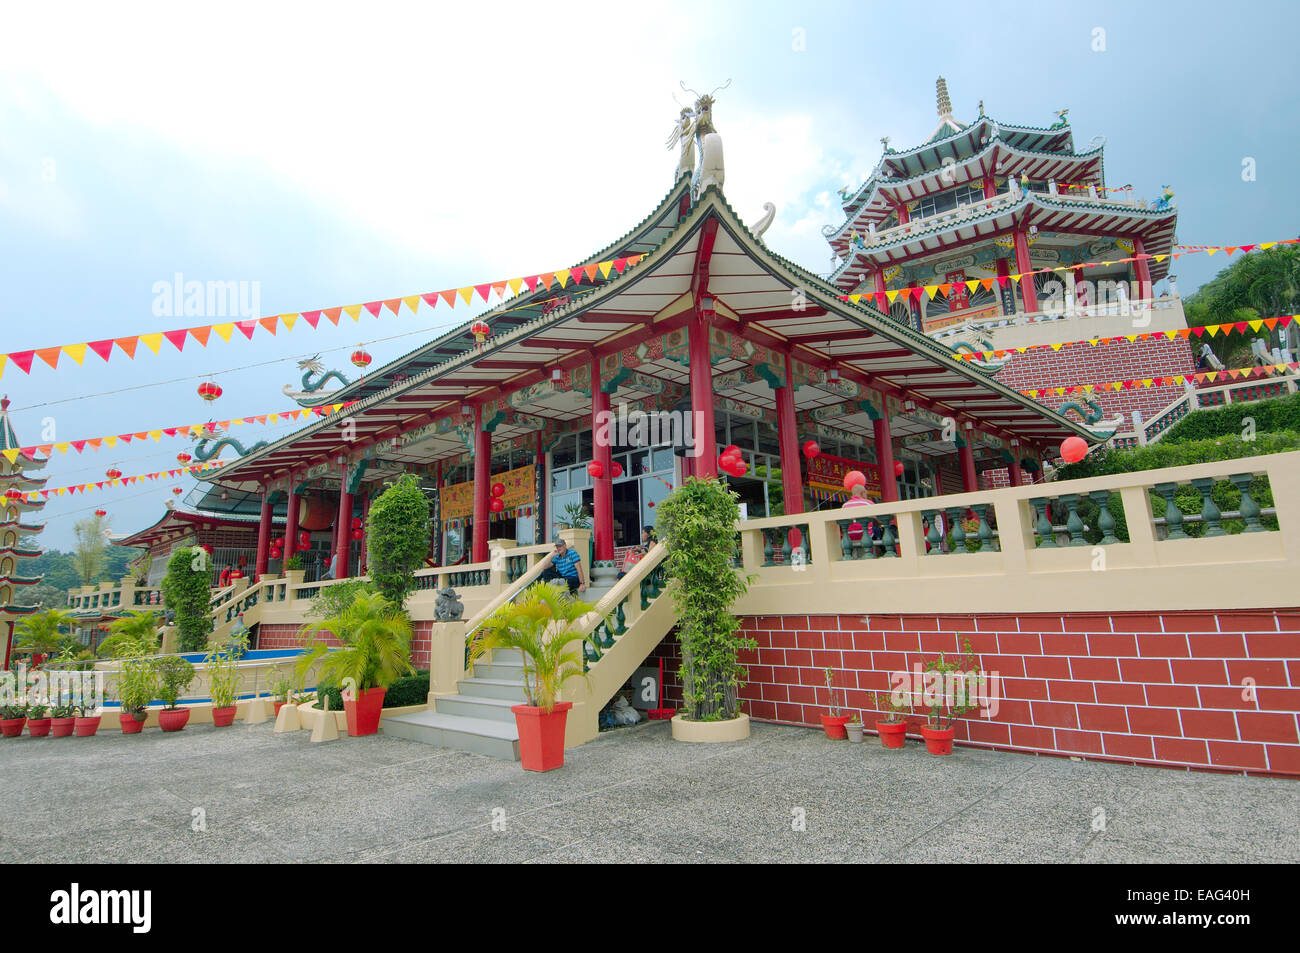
[173,719]
[938,740]
[278,706]
[38,727]
[363,711]
[12,727]
[834,725]
[62,727]
[130,724]
[541,735]
[87,726]
[224,717]
[892,733]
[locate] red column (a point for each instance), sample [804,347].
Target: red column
[365,521]
[1013,470]
[904,216]
[343,532]
[788,439]
[990,187]
[603,488]
[1028,293]
[881,288]
[885,457]
[291,522]
[263,536]
[1003,271]
[482,486]
[543,485]
[705,465]
[969,480]
[1141,269]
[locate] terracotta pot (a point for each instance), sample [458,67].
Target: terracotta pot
[87,726]
[541,735]
[131,725]
[62,727]
[173,719]
[854,729]
[363,712]
[38,727]
[224,717]
[938,740]
[12,727]
[892,733]
[834,725]
[278,706]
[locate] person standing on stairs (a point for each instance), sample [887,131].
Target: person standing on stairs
[566,565]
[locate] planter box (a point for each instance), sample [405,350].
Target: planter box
[710,732]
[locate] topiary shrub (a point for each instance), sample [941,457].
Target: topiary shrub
[186,592]
[398,535]
[1269,416]
[408,690]
[697,523]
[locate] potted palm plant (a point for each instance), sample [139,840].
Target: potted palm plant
[12,719]
[223,680]
[174,676]
[375,648]
[136,684]
[834,723]
[892,728]
[956,696]
[541,624]
[62,720]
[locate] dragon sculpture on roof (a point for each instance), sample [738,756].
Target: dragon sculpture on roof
[313,379]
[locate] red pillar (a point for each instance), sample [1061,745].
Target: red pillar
[1013,470]
[603,488]
[969,480]
[1141,269]
[1004,271]
[291,522]
[885,457]
[990,187]
[788,439]
[705,465]
[543,482]
[263,536]
[904,216]
[343,532]
[482,486]
[1028,293]
[365,521]
[881,288]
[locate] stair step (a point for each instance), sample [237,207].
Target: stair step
[511,671]
[472,706]
[504,688]
[480,735]
[507,656]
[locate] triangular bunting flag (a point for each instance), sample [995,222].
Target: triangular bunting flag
[50,355]
[270,324]
[466,293]
[371,306]
[289,320]
[102,348]
[353,310]
[313,318]
[413,303]
[75,351]
[224,331]
[152,341]
[448,296]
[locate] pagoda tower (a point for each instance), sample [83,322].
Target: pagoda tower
[15,483]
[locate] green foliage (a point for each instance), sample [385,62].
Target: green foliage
[1263,284]
[574,516]
[961,676]
[186,590]
[1163,454]
[137,684]
[174,676]
[834,693]
[332,599]
[375,637]
[697,523]
[223,672]
[1281,414]
[59,571]
[541,624]
[92,542]
[897,711]
[408,690]
[134,636]
[40,631]
[398,538]
[293,563]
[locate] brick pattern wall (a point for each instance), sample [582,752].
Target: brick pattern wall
[286,637]
[1162,688]
[1085,364]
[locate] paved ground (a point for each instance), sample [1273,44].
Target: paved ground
[634,795]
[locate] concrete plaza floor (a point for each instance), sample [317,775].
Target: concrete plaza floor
[633,795]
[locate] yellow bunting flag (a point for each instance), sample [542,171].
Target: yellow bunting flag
[353,311]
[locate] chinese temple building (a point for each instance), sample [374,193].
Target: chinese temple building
[15,481]
[990,236]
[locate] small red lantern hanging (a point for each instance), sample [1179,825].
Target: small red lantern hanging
[183,458]
[101,512]
[811,450]
[12,494]
[498,490]
[358,534]
[595,469]
[497,505]
[176,490]
[898,468]
[210,390]
[304,540]
[361,358]
[480,330]
[113,473]
[1074,449]
[618,469]
[854,478]
[356,522]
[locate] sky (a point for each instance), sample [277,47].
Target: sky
[328,154]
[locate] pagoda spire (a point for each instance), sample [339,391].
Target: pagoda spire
[13,480]
[943,102]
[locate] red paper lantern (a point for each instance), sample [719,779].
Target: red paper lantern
[854,478]
[113,473]
[361,359]
[207,548]
[278,542]
[480,330]
[101,512]
[498,489]
[497,504]
[358,534]
[210,391]
[855,531]
[618,469]
[1074,449]
[731,450]
[275,554]
[356,522]
[304,540]
[183,458]
[898,468]
[12,494]
[176,490]
[811,450]
[595,469]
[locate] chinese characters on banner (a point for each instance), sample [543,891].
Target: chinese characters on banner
[959,297]
[826,477]
[457,500]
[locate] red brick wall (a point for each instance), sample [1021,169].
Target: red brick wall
[286,637]
[1149,688]
[1085,364]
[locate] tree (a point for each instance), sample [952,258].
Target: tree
[1262,284]
[40,632]
[398,537]
[697,523]
[134,636]
[92,541]
[186,591]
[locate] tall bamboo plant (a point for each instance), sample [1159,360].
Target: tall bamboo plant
[542,624]
[697,523]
